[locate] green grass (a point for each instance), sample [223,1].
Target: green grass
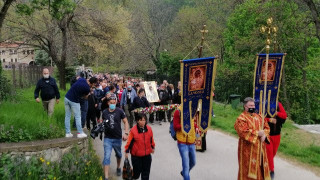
[295,143]
[73,165]
[23,119]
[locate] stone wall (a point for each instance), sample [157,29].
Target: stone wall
[50,150]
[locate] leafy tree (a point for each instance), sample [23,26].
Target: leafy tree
[42,58]
[4,7]
[296,37]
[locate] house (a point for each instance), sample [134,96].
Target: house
[16,53]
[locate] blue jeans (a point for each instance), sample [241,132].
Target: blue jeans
[75,108]
[84,111]
[188,156]
[108,144]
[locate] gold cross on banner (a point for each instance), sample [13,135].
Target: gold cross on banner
[203,31]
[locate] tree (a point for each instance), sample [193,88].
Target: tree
[315,15]
[42,58]
[296,37]
[46,25]
[150,21]
[5,4]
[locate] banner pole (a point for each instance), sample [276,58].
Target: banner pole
[269,29]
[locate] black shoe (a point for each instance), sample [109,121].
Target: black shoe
[181,173]
[272,175]
[118,172]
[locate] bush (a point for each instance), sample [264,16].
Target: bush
[4,86]
[73,165]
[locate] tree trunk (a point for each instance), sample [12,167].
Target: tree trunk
[315,16]
[62,74]
[4,11]
[62,64]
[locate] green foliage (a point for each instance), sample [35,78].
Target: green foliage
[295,36]
[73,165]
[69,73]
[42,58]
[169,65]
[57,9]
[4,85]
[23,119]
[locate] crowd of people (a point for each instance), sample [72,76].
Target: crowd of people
[112,99]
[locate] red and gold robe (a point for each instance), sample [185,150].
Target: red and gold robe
[249,148]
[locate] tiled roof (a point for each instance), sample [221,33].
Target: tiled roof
[8,44]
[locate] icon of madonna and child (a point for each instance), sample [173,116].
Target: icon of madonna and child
[197,77]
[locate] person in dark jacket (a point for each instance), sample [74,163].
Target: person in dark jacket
[140,144]
[163,96]
[91,114]
[140,101]
[127,98]
[49,92]
[275,125]
[177,95]
[80,89]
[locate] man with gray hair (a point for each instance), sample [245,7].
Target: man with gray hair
[49,92]
[253,136]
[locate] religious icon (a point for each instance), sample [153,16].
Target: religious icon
[271,70]
[197,76]
[151,91]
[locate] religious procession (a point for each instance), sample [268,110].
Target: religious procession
[200,108]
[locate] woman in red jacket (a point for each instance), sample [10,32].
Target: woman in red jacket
[140,144]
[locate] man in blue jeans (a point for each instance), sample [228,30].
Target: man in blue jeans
[186,145]
[113,133]
[80,89]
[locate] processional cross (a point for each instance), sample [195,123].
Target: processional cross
[269,29]
[203,31]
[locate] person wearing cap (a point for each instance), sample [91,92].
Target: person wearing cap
[80,89]
[112,118]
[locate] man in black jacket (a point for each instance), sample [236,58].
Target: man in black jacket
[49,92]
[163,96]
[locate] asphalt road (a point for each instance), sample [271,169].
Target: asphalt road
[219,162]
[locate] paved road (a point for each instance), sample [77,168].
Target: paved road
[312,128]
[218,162]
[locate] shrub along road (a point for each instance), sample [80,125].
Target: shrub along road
[218,162]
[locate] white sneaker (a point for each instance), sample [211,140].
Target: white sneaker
[69,135]
[82,135]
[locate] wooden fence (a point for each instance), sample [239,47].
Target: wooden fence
[26,76]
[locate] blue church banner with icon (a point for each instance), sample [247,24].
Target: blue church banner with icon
[274,73]
[197,80]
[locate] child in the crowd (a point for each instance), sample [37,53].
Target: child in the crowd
[140,144]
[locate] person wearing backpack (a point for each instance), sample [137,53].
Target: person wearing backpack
[140,144]
[186,144]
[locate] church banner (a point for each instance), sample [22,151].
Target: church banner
[197,79]
[274,73]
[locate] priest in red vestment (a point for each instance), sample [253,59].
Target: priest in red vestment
[252,156]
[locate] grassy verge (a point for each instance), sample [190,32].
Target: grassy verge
[23,119]
[295,143]
[73,165]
